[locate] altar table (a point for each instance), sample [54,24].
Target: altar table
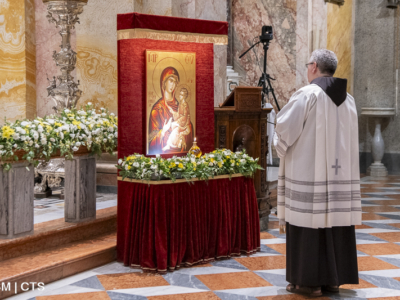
[163,226]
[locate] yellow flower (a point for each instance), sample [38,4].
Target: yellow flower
[227,156]
[172,165]
[212,160]
[180,166]
[129,167]
[7,132]
[194,169]
[194,164]
[58,124]
[219,164]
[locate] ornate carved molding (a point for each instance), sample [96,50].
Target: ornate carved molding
[222,136]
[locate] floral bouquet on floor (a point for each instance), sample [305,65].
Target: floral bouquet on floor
[42,138]
[218,162]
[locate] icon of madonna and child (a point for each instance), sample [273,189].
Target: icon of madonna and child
[170,122]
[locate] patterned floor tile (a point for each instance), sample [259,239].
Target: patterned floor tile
[372,216]
[226,296]
[363,226]
[196,296]
[265,248]
[281,248]
[184,280]
[380,225]
[229,263]
[233,281]
[379,249]
[274,279]
[91,282]
[372,263]
[380,208]
[388,236]
[263,263]
[266,235]
[86,296]
[382,282]
[119,296]
[131,280]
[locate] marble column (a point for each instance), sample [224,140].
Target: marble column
[17,60]
[80,189]
[16,201]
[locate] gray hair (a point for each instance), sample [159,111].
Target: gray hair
[326,61]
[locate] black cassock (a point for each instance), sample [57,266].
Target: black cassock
[319,257]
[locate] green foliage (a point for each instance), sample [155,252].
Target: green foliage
[219,162]
[42,138]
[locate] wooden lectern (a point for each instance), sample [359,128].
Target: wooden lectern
[241,123]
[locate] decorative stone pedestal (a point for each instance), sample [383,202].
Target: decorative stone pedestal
[377,169]
[80,189]
[16,201]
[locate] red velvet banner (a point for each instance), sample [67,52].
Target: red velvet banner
[162,23]
[132,93]
[165,227]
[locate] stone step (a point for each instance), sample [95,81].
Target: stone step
[57,232]
[56,263]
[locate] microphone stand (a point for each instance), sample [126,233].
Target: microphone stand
[265,78]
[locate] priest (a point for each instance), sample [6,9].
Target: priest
[319,198]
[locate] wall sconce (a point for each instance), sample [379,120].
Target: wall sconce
[392,4]
[338,2]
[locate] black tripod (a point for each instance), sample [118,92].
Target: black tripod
[265,79]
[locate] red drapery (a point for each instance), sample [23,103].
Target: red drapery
[164,227]
[132,93]
[163,23]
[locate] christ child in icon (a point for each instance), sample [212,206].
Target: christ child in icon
[181,124]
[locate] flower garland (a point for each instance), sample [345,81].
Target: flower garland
[219,162]
[43,137]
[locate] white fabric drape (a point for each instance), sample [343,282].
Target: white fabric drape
[319,177]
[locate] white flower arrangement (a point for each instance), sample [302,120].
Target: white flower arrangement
[43,137]
[219,162]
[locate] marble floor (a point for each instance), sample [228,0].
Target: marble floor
[52,208]
[261,276]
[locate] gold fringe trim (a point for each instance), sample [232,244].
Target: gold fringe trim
[175,36]
[153,182]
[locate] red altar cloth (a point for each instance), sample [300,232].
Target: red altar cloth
[168,226]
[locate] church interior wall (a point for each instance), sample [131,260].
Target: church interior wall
[375,63]
[340,37]
[17,60]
